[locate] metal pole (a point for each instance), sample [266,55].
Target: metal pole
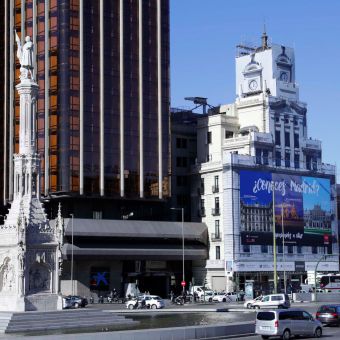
[315,271]
[72,290]
[183,246]
[284,256]
[183,267]
[274,243]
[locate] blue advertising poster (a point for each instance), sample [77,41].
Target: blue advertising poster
[302,209]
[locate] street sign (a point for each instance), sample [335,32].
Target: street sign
[183,283]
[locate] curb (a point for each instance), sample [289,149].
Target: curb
[235,336]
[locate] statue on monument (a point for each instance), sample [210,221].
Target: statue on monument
[25,56]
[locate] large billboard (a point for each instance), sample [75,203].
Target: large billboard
[302,209]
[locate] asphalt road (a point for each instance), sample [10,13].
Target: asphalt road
[193,314]
[328,333]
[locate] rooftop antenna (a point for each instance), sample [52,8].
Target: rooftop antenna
[264,37]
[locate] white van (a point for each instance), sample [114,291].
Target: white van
[286,323]
[202,292]
[272,300]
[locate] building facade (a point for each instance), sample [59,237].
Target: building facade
[103,104]
[183,156]
[260,170]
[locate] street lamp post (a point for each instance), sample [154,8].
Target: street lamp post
[274,245]
[72,289]
[183,268]
[283,249]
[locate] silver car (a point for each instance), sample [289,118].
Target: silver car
[287,323]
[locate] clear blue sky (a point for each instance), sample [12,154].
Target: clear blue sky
[204,34]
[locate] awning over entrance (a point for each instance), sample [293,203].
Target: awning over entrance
[136,229]
[130,252]
[126,239]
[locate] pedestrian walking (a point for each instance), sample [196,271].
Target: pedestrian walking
[172,296]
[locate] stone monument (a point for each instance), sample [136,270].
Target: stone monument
[30,246]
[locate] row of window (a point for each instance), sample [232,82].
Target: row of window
[215,211]
[263,159]
[290,249]
[183,162]
[277,119]
[215,188]
[286,139]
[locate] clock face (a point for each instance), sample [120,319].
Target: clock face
[252,85]
[284,77]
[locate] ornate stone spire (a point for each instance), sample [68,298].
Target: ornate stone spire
[31,246]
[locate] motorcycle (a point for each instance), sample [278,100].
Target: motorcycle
[179,300]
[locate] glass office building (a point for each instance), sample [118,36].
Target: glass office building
[103,106]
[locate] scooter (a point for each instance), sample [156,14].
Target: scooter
[179,300]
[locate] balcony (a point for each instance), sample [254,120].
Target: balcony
[311,144]
[215,189]
[262,137]
[200,191]
[201,212]
[215,211]
[215,237]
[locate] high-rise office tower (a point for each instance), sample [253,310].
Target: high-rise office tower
[102,67]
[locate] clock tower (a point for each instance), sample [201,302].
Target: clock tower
[268,69]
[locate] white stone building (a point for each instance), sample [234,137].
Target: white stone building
[263,133]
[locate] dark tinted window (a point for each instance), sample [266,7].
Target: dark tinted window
[285,316]
[327,309]
[277,298]
[267,316]
[296,315]
[335,279]
[306,316]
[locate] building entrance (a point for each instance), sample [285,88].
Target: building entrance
[155,284]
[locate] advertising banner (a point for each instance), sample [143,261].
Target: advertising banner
[302,209]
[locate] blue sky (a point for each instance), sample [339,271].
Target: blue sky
[204,34]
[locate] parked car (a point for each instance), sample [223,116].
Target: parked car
[222,297]
[287,323]
[151,301]
[207,296]
[249,303]
[73,301]
[233,296]
[272,300]
[200,291]
[329,314]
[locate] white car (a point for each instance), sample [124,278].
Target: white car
[287,323]
[224,297]
[233,296]
[271,301]
[207,296]
[151,301]
[249,303]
